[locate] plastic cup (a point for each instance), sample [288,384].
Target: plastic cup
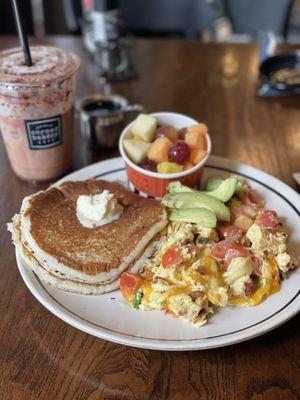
[37,111]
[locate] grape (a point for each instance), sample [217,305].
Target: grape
[181,133]
[166,130]
[179,152]
[147,164]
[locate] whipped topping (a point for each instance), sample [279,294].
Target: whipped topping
[97,210]
[50,65]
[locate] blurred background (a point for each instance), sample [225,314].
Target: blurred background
[205,20]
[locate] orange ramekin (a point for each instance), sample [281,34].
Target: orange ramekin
[154,184]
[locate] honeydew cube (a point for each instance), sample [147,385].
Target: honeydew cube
[136,149]
[144,126]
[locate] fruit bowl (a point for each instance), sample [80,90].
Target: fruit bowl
[155,184]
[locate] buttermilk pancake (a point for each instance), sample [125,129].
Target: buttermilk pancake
[70,256]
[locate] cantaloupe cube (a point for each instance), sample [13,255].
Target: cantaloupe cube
[197,155]
[144,126]
[158,150]
[202,128]
[192,155]
[196,139]
[187,165]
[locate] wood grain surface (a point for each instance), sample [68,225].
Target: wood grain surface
[41,357]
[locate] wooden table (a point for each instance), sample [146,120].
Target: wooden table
[41,357]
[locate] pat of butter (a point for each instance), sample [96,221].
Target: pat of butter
[98,210]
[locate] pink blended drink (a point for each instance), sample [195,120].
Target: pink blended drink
[36,111]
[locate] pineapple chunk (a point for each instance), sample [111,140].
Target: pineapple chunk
[167,167]
[136,149]
[144,126]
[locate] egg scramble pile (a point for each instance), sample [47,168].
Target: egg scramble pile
[197,269]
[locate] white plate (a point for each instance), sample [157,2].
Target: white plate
[108,317]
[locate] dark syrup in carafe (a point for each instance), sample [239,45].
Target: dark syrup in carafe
[101,108]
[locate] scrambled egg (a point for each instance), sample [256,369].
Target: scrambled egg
[237,268]
[192,288]
[186,278]
[185,289]
[257,237]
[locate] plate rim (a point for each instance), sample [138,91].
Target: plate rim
[50,303]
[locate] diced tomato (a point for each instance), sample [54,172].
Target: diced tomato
[129,284]
[236,251]
[267,219]
[257,266]
[218,250]
[229,232]
[249,199]
[170,258]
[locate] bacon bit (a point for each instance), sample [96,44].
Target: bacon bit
[191,248]
[257,266]
[222,266]
[266,253]
[195,294]
[250,286]
[200,269]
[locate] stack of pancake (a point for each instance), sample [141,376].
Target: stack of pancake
[65,254]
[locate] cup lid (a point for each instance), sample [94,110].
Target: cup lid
[50,64]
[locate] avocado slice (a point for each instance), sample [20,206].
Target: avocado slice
[177,187]
[212,184]
[201,216]
[197,199]
[225,190]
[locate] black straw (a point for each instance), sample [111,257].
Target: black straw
[22,32]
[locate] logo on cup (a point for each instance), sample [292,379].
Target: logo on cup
[44,133]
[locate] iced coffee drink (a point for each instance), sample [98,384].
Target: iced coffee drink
[36,111]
